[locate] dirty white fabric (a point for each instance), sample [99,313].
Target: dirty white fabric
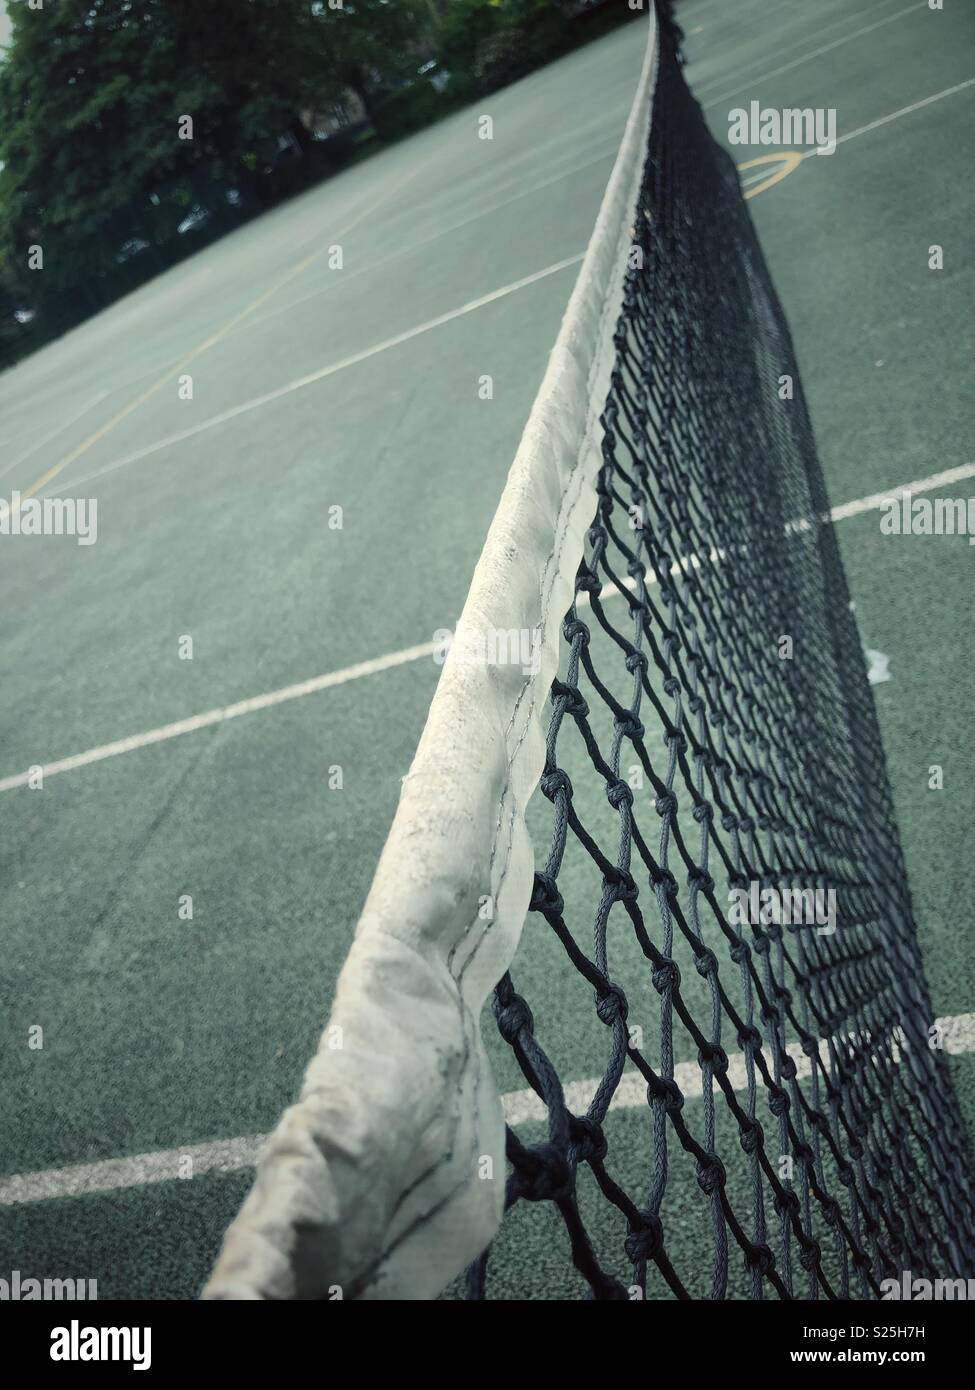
[387,1177]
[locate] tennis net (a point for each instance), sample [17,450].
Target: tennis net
[659,633]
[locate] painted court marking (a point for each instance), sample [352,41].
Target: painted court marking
[52,434]
[808,57]
[414,247]
[171,373]
[520,1107]
[331,679]
[789,161]
[740,71]
[896,115]
[301,382]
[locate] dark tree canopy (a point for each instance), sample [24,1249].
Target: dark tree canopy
[94,96]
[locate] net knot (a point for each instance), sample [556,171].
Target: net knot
[625,889]
[703,882]
[769,1017]
[714,1056]
[759,1259]
[554,782]
[729,821]
[514,1018]
[665,976]
[575,630]
[674,1097]
[788,1068]
[619,793]
[646,1240]
[667,1092]
[845,1174]
[612,1006]
[749,1037]
[572,699]
[778,1101]
[809,1254]
[695,704]
[589,1144]
[710,1175]
[703,812]
[546,896]
[672,684]
[706,963]
[787,1203]
[629,726]
[739,954]
[637,661]
[666,805]
[831,1211]
[544,1175]
[871,1226]
[750,1136]
[597,535]
[803,1153]
[663,878]
[820,1124]
[587,580]
[761,945]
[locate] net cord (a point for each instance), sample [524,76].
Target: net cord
[387,1177]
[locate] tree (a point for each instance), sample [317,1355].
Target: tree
[93,92]
[371,45]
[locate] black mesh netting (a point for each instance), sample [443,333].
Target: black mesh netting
[713,729]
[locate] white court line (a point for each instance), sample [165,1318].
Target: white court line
[738,73]
[873,125]
[452,314]
[895,115]
[877,499]
[808,57]
[301,382]
[520,1107]
[400,658]
[441,232]
[39,444]
[221,715]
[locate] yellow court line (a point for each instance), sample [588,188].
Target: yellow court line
[214,338]
[789,160]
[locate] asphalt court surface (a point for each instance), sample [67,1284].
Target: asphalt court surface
[213,521]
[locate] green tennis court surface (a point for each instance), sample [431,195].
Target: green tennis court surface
[313,389]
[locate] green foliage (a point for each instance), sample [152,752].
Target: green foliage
[467,26]
[92,93]
[407,110]
[372,45]
[486,43]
